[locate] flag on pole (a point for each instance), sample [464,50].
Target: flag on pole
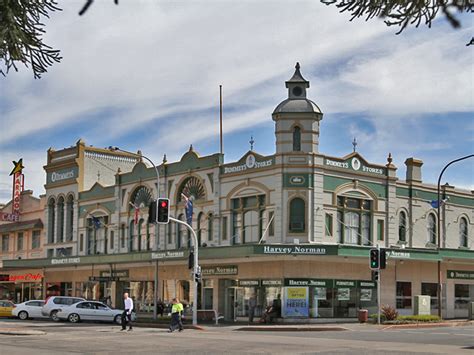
[137,213]
[188,209]
[96,222]
[434,203]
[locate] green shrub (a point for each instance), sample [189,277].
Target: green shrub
[423,318]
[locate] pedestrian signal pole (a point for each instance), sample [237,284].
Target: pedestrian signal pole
[377,262]
[196,267]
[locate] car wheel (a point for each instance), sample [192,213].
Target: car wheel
[54,316]
[23,315]
[118,319]
[74,318]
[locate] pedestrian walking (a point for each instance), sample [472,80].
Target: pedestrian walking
[252,306]
[127,312]
[176,314]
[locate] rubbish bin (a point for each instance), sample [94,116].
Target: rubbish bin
[363,315]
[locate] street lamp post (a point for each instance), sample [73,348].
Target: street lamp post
[155,294]
[440,303]
[196,266]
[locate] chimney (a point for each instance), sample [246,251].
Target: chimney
[413,170]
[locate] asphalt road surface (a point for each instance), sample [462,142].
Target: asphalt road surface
[65,338]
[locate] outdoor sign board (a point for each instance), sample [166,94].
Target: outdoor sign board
[219,270]
[295,302]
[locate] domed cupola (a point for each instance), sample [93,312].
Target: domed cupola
[297,101]
[297,119]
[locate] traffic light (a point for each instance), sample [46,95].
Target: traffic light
[375,275]
[152,212]
[198,275]
[383,258]
[374,259]
[163,211]
[191,260]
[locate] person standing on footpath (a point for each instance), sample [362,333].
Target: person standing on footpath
[252,306]
[176,313]
[127,313]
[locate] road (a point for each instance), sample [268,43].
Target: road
[65,338]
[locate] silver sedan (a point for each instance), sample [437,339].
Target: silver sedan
[89,311]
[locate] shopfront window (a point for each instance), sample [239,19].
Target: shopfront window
[430,289]
[142,294]
[354,220]
[403,295]
[463,295]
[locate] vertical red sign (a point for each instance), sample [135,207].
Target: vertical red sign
[18,186]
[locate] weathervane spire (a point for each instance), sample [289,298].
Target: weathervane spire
[251,141]
[354,143]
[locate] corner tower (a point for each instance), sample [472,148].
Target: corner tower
[297,119]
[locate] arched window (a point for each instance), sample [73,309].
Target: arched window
[60,212]
[69,217]
[130,235]
[432,229]
[402,227]
[210,221]
[179,232]
[122,235]
[463,232]
[297,215]
[297,139]
[51,219]
[201,229]
[139,235]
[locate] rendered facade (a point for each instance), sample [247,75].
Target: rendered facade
[296,226]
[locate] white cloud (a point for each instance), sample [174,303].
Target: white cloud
[151,60]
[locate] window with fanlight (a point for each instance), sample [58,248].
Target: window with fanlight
[354,220]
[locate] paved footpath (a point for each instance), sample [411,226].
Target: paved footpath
[65,338]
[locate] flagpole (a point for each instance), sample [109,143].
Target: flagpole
[220,119]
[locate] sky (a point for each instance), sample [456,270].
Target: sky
[145,75]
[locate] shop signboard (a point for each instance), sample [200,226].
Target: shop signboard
[460,274]
[103,278]
[251,162]
[25,277]
[343,288]
[219,270]
[169,254]
[309,282]
[296,302]
[270,283]
[65,261]
[248,283]
[296,250]
[355,164]
[366,290]
[122,274]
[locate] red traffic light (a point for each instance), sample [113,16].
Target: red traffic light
[164,204]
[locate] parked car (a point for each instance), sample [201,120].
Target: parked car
[6,308]
[29,309]
[53,303]
[91,311]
